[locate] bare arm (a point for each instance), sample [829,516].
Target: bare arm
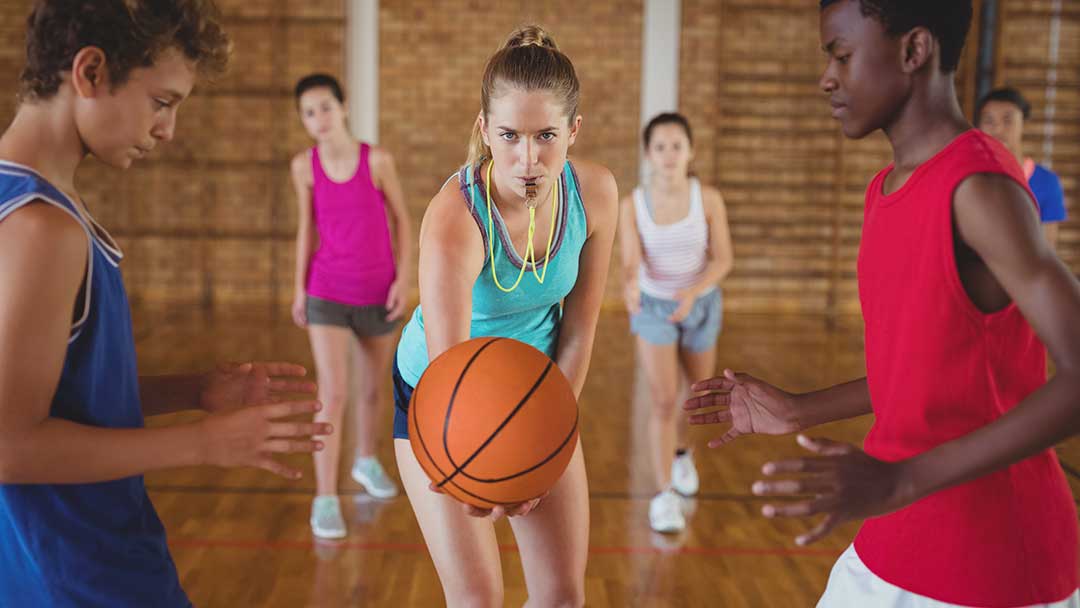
[582,306]
[451,257]
[386,179]
[306,237]
[44,252]
[629,254]
[720,255]
[168,394]
[996,219]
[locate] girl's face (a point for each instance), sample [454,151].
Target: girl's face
[669,151]
[321,113]
[529,135]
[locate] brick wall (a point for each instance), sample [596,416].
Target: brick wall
[208,221]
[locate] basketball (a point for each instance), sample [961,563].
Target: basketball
[493,421]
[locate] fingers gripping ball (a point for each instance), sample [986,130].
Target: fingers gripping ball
[493,421]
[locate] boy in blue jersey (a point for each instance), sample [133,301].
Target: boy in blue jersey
[1001,113]
[104,77]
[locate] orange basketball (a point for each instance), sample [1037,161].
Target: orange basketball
[493,421]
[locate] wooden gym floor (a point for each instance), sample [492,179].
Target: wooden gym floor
[240,538]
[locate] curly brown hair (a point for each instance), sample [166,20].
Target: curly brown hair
[131,33]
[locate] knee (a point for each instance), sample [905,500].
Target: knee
[565,594]
[367,396]
[664,404]
[478,594]
[333,400]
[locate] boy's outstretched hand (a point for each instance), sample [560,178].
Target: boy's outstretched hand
[845,483]
[236,385]
[748,404]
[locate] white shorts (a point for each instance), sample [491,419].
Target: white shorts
[853,585]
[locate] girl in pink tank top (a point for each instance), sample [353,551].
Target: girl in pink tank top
[353,252]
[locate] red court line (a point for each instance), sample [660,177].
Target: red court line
[206,543]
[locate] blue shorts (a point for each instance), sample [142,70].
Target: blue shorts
[696,333]
[402,396]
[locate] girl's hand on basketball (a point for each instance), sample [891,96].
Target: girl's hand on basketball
[299,310]
[845,482]
[251,436]
[632,297]
[686,299]
[748,404]
[234,385]
[518,510]
[395,301]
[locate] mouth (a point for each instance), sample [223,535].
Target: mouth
[143,150]
[837,108]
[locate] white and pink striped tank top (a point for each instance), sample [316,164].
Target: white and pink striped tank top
[673,255]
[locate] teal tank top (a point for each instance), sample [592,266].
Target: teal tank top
[531,313]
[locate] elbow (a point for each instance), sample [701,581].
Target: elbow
[10,463]
[726,268]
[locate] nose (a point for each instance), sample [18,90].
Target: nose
[532,154]
[166,128]
[827,82]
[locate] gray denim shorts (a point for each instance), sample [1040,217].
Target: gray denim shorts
[696,333]
[364,321]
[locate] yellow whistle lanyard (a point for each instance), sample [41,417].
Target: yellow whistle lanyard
[529,250]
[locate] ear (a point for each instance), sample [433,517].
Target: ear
[917,49]
[575,127]
[482,125]
[89,73]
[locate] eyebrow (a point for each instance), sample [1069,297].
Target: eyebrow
[173,95]
[512,130]
[828,48]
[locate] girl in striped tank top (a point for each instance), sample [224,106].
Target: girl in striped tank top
[676,248]
[351,283]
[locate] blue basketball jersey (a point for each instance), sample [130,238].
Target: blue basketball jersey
[90,544]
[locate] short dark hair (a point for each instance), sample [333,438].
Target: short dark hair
[1007,94]
[314,81]
[131,33]
[667,118]
[947,20]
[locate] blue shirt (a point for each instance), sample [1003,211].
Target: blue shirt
[87,544]
[1048,192]
[532,312]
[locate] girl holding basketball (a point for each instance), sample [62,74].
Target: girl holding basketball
[481,276]
[676,248]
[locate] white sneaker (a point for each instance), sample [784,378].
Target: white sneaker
[684,477]
[326,519]
[665,513]
[370,474]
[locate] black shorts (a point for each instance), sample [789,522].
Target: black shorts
[364,321]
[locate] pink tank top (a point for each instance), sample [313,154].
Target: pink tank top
[354,263]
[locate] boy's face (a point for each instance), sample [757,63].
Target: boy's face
[863,76]
[1004,122]
[121,124]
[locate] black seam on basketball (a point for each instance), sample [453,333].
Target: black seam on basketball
[458,468]
[450,408]
[532,468]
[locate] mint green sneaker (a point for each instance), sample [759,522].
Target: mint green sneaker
[326,519]
[370,474]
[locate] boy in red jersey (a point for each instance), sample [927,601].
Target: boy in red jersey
[966,502]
